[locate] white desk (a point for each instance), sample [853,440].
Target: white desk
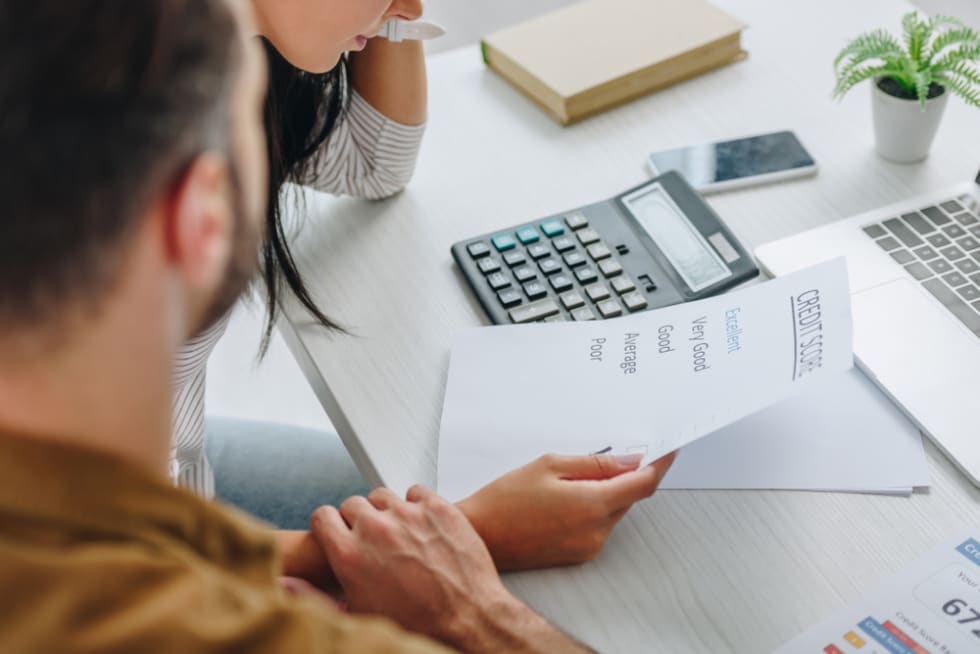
[686,571]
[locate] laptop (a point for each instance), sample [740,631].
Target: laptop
[914,272]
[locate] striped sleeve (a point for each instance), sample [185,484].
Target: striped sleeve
[367,155]
[189,466]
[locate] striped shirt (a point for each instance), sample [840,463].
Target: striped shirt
[367,155]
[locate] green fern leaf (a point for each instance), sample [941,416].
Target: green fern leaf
[859,75]
[969,93]
[876,44]
[949,38]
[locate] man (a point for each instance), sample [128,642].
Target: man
[132,167]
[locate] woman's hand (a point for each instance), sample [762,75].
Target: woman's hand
[559,510]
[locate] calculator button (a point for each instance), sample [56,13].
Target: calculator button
[561,283]
[524,273]
[534,311]
[488,265]
[478,249]
[563,244]
[623,285]
[598,251]
[610,309]
[588,236]
[509,298]
[498,281]
[515,258]
[572,300]
[586,275]
[597,292]
[535,290]
[504,242]
[584,313]
[635,301]
[555,318]
[552,228]
[610,268]
[576,221]
[549,266]
[574,259]
[539,251]
[528,235]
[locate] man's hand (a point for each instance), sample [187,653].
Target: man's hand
[559,510]
[420,563]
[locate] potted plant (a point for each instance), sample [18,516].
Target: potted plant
[912,79]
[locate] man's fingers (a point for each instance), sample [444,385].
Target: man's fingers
[330,531]
[637,485]
[383,499]
[419,493]
[353,508]
[596,466]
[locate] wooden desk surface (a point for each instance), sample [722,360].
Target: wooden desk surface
[704,572]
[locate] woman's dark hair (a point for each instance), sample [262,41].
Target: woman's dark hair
[301,109]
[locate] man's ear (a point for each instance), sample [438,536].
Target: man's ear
[201,221]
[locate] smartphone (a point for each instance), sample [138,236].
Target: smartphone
[738,163]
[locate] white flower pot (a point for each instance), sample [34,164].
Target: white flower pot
[903,131]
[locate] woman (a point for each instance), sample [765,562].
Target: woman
[345,126]
[352,124]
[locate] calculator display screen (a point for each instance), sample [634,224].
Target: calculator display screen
[683,245]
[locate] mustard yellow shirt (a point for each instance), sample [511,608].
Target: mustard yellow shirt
[97,555]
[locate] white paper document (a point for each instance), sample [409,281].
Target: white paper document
[649,382]
[841,434]
[931,607]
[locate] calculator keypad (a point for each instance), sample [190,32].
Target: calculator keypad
[558,269]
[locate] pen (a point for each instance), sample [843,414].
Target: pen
[417,30]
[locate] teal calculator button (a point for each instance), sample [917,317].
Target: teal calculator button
[552,228]
[504,242]
[528,235]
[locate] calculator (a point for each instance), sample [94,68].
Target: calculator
[653,246]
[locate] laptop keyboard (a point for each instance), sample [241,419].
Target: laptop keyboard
[939,246]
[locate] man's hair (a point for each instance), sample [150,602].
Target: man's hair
[103,103]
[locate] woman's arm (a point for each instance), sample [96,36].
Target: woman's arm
[302,557]
[391,77]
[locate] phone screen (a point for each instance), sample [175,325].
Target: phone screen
[712,163]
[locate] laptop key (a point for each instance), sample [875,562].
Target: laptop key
[937,217]
[888,244]
[534,311]
[918,271]
[938,240]
[968,243]
[952,207]
[952,253]
[904,256]
[974,231]
[941,266]
[904,234]
[975,279]
[967,266]
[970,293]
[966,219]
[875,231]
[975,305]
[955,279]
[925,253]
[954,231]
[918,223]
[952,301]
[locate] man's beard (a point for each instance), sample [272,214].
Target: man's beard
[243,262]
